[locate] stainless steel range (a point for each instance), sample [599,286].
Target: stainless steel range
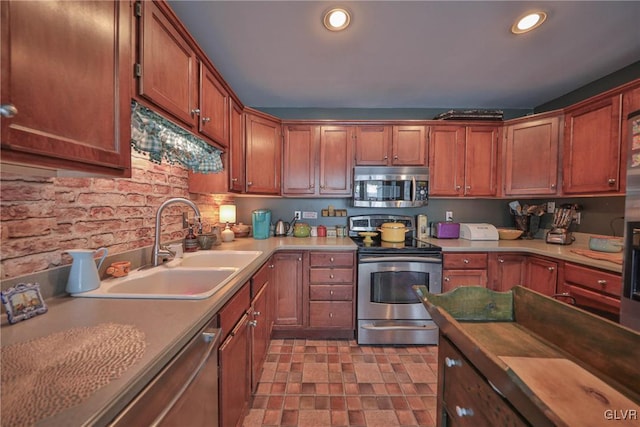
[389,312]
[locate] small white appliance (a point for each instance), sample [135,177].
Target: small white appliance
[479,231]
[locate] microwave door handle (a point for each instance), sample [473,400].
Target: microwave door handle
[413,189]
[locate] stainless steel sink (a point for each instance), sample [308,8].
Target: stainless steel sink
[198,275]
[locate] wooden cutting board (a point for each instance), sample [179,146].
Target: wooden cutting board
[575,395]
[604,256]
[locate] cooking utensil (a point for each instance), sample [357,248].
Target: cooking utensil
[394,232]
[367,237]
[282,228]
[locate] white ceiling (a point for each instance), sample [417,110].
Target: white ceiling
[411,54]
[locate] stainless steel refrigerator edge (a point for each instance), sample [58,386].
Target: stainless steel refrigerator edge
[630,301]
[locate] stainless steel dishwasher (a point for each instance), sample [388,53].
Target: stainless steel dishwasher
[185,392]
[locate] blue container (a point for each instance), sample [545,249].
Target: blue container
[261,221]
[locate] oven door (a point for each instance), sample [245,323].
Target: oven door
[389,311]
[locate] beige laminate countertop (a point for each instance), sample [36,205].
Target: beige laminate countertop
[169,324]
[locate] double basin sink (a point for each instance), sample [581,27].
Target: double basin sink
[197,275]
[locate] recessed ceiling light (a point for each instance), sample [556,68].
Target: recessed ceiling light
[337,19]
[528,22]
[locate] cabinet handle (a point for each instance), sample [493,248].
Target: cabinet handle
[466,261]
[8,110]
[458,187]
[551,268]
[464,412]
[612,181]
[500,260]
[331,276]
[602,282]
[253,323]
[447,279]
[271,266]
[206,119]
[234,179]
[452,362]
[468,187]
[249,183]
[195,112]
[256,313]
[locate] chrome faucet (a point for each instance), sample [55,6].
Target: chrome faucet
[158,251]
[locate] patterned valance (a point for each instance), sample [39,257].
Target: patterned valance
[154,135]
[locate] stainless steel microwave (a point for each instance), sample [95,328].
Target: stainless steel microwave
[390,187]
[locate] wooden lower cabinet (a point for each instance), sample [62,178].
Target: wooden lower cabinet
[541,275]
[464,269]
[235,358]
[288,283]
[260,331]
[594,290]
[506,270]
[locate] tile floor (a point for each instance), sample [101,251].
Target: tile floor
[339,383]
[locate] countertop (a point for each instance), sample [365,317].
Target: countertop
[169,324]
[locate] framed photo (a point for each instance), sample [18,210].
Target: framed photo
[23,302]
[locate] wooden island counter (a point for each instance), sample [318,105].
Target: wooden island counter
[519,358]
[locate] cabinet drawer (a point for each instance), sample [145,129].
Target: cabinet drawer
[465,388]
[331,259]
[331,292]
[234,309]
[335,314]
[465,260]
[600,281]
[331,275]
[587,299]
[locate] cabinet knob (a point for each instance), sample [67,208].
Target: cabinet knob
[300,259]
[464,412]
[447,279]
[466,261]
[468,187]
[253,323]
[249,183]
[330,314]
[551,268]
[330,292]
[553,186]
[602,282]
[271,266]
[206,119]
[500,260]
[612,181]
[452,362]
[234,179]
[195,112]
[331,276]
[386,157]
[331,259]
[256,313]
[395,157]
[458,187]
[8,110]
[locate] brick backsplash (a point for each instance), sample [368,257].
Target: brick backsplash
[41,217]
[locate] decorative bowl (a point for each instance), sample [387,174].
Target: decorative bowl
[509,233]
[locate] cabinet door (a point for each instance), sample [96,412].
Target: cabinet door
[214,108]
[446,160]
[169,75]
[235,377]
[236,148]
[531,157]
[542,275]
[506,271]
[260,334]
[263,153]
[592,148]
[299,159]
[288,282]
[452,279]
[373,145]
[336,160]
[70,80]
[409,146]
[481,153]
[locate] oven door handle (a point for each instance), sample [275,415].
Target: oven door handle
[403,258]
[371,326]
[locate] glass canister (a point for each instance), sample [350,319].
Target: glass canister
[261,222]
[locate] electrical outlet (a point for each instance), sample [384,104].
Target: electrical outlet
[551,207]
[448,216]
[297,215]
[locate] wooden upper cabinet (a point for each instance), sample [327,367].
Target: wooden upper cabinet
[531,156]
[373,144]
[66,68]
[463,160]
[299,159]
[386,145]
[263,154]
[335,160]
[592,147]
[409,146]
[169,67]
[236,148]
[214,108]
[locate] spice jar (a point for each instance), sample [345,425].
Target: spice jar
[322,231]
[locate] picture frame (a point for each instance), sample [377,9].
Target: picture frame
[23,302]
